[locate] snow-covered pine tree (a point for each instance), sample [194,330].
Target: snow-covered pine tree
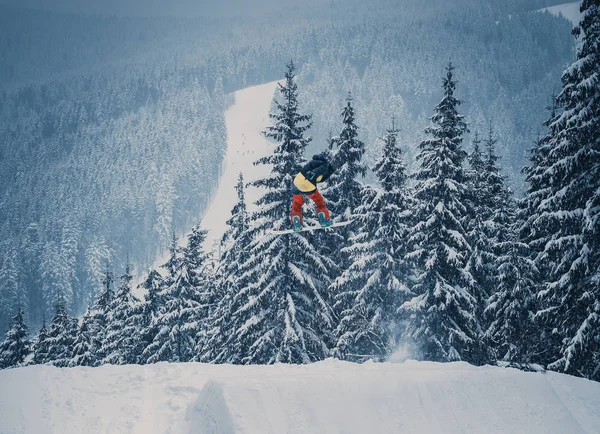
[511,273]
[83,350]
[230,282]
[500,220]
[344,191]
[40,346]
[118,346]
[500,202]
[148,313]
[202,277]
[178,323]
[12,293]
[372,289]
[101,313]
[573,291]
[513,330]
[441,318]
[171,266]
[16,346]
[61,336]
[538,228]
[282,315]
[173,263]
[481,259]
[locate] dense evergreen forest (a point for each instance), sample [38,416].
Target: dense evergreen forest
[109,149]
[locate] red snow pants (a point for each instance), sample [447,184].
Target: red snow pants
[315,197]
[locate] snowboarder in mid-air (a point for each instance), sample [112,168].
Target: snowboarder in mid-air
[319,169]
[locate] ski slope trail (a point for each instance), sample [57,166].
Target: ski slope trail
[326,397]
[245,120]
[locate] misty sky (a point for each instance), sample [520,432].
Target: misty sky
[160,7]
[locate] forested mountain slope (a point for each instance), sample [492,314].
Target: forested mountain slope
[112,131]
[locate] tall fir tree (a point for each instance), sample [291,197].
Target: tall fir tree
[83,349]
[101,314]
[538,227]
[573,290]
[16,346]
[441,318]
[148,313]
[13,294]
[118,346]
[178,323]
[481,259]
[344,191]
[282,315]
[511,311]
[40,346]
[230,282]
[61,335]
[371,290]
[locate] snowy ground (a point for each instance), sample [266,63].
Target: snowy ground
[326,397]
[569,10]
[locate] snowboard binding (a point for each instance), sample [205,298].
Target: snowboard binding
[324,221]
[296,223]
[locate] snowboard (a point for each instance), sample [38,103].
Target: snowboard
[310,228]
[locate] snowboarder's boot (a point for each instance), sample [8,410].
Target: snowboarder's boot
[296,223]
[324,221]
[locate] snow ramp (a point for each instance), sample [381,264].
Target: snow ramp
[327,397]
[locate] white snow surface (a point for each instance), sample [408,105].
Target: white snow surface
[326,397]
[568,10]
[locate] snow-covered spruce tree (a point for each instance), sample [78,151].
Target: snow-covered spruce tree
[83,350]
[201,267]
[344,190]
[179,321]
[500,202]
[16,346]
[370,291]
[148,312]
[13,295]
[537,229]
[501,216]
[61,336]
[573,290]
[442,316]
[171,266]
[230,281]
[511,310]
[118,347]
[481,259]
[100,313]
[40,346]
[282,314]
